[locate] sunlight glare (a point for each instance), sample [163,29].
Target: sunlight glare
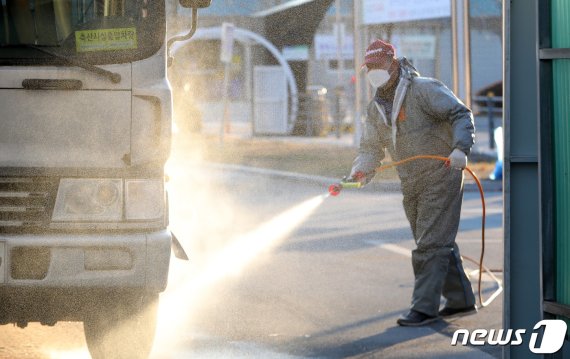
[187,287]
[70,354]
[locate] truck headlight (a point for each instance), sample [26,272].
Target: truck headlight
[144,199]
[89,200]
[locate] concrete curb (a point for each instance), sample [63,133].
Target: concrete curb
[386,186]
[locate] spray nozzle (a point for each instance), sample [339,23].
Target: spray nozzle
[354,181]
[334,189]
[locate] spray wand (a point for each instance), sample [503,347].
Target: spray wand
[334,189]
[357,182]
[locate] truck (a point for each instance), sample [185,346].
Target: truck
[85,131]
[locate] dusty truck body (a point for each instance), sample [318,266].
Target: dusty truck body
[85,127]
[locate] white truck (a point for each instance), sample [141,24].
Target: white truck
[85,131]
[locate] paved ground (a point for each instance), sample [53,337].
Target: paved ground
[279,271]
[335,286]
[260,151]
[241,126]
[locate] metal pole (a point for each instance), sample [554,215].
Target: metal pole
[309,115]
[461,51]
[507,222]
[357,82]
[454,47]
[249,81]
[225,115]
[226,54]
[467,52]
[491,120]
[339,67]
[367,41]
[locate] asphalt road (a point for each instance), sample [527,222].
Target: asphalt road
[279,271]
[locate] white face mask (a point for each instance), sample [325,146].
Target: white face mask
[378,78]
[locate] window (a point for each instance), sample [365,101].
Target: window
[102,31]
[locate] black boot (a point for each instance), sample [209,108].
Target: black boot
[415,319]
[450,313]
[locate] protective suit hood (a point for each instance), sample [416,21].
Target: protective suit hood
[407,70]
[407,73]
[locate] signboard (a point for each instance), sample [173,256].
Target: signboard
[106,39]
[296,53]
[390,11]
[416,47]
[325,47]
[227,49]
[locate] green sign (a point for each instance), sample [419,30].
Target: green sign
[106,39]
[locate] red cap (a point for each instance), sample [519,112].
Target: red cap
[379,53]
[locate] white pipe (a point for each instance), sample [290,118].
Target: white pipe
[244,36]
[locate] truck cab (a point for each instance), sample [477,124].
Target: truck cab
[85,130]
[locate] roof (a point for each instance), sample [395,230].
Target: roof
[282,7]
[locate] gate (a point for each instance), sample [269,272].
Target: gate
[270,108]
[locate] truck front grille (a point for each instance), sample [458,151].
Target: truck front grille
[26,203]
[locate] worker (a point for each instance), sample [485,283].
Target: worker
[412,115]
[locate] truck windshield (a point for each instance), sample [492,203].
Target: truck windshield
[97,31]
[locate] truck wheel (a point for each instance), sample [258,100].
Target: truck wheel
[122,328]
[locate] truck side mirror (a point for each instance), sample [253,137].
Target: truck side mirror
[196,4]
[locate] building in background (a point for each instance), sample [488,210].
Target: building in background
[277,22]
[420,30]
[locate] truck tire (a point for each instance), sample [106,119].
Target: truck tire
[122,328]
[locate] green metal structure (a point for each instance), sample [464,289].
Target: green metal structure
[561,132]
[537,168]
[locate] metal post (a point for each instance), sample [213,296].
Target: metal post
[226,54]
[225,115]
[367,41]
[467,52]
[461,50]
[248,67]
[308,113]
[454,47]
[357,83]
[338,109]
[490,111]
[523,301]
[339,66]
[506,13]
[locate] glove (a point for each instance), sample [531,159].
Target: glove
[457,159]
[360,176]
